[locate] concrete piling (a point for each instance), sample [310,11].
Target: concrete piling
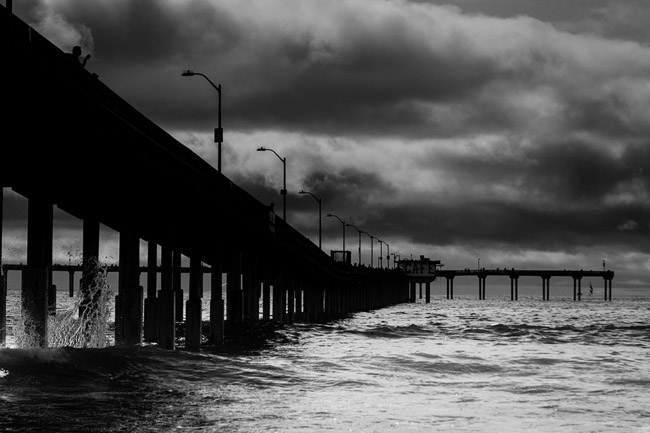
[177,286]
[234,296]
[216,301]
[193,307]
[128,302]
[3,291]
[166,323]
[36,276]
[151,301]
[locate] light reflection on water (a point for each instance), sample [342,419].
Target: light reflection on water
[462,366]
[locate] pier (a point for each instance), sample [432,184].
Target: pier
[69,141]
[425,271]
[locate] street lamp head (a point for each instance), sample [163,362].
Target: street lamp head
[302,191]
[261,149]
[187,73]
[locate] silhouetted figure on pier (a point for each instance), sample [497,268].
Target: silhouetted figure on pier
[75,56]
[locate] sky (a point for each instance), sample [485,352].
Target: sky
[513,133]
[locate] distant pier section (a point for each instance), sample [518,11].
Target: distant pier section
[424,271]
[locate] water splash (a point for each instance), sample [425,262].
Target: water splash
[85,324]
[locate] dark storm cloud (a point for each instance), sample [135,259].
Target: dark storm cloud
[610,18]
[369,68]
[511,122]
[563,172]
[521,227]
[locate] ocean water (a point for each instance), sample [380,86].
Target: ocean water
[459,365]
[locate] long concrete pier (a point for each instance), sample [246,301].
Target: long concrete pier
[69,141]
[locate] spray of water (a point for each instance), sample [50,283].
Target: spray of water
[85,324]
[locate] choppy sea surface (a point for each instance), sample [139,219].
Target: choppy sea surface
[461,365]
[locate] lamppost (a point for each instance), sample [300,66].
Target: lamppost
[372,265]
[218,132]
[283,192]
[381,253]
[342,222]
[350,225]
[319,214]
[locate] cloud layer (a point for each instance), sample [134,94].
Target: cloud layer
[501,126]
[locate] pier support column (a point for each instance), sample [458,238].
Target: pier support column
[428,292]
[216,300]
[291,299]
[166,302]
[577,291]
[450,287]
[512,288]
[248,289]
[51,298]
[545,288]
[3,298]
[266,294]
[297,290]
[307,313]
[481,287]
[150,303]
[234,297]
[580,289]
[279,296]
[609,281]
[128,302]
[193,307]
[177,285]
[36,276]
[71,283]
[90,261]
[3,292]
[412,295]
[251,287]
